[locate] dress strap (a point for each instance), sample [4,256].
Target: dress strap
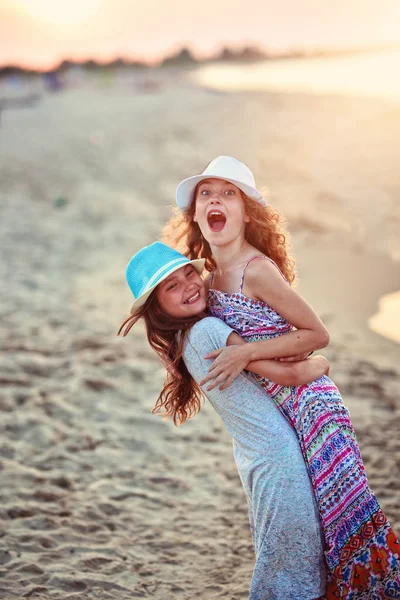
[244,270]
[254,258]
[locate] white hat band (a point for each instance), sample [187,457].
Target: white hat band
[164,268]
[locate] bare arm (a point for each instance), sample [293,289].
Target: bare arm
[264,282]
[291,373]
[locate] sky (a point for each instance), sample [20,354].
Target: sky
[41,33]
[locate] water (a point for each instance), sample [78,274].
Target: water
[387,321]
[373,74]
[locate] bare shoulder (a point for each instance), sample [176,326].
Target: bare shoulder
[263,271]
[263,281]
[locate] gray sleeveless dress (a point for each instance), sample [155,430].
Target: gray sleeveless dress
[284,519]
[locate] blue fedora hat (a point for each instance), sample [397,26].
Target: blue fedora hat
[151,265]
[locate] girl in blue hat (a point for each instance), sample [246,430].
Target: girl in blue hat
[225,220]
[170,296]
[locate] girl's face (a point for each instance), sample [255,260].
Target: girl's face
[182,294]
[220,211]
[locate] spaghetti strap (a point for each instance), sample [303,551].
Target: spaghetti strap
[244,270]
[254,258]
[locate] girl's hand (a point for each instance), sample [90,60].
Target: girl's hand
[229,362]
[327,366]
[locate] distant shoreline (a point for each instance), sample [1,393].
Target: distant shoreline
[185,58]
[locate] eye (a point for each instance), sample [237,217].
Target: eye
[189,272]
[229,192]
[204,192]
[170,286]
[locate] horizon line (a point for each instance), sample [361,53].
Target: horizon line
[237,51]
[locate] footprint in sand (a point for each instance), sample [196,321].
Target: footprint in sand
[95,563]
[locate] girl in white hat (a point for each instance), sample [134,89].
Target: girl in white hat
[170,296]
[226,221]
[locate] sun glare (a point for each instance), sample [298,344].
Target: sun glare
[58,12]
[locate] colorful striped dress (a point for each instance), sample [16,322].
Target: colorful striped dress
[361,549]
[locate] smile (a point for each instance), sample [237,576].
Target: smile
[216,220]
[193,298]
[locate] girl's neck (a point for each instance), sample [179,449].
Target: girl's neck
[232,256]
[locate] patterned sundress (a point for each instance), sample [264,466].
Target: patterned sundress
[361,549]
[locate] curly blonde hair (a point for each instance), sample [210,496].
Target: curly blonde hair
[266,231]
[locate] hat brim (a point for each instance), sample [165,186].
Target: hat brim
[197,264]
[185,190]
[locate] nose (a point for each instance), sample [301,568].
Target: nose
[214,198]
[185,283]
[189,286]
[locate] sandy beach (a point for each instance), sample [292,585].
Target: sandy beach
[100,499]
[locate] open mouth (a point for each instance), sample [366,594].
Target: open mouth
[193,298]
[216,220]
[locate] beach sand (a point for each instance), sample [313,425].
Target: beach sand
[100,499]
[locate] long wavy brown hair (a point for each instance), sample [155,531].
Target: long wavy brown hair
[266,231]
[180,397]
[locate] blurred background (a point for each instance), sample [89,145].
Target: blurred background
[104,107]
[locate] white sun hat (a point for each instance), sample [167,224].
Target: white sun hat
[223,167]
[151,265]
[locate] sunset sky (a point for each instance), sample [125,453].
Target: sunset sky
[40,33]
